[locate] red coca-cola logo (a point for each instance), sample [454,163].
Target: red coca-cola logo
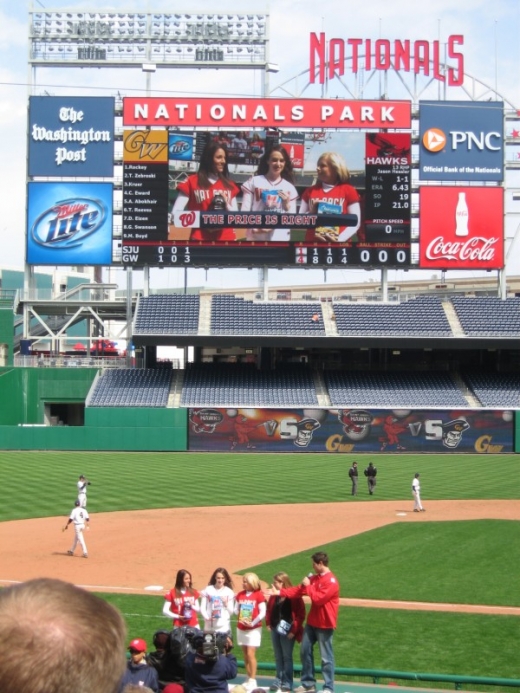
[473,249]
[187,219]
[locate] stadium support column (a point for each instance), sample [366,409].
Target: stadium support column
[128,316]
[384,284]
[502,284]
[263,275]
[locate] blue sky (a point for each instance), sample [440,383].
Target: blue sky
[491,54]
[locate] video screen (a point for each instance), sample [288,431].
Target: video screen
[267,197]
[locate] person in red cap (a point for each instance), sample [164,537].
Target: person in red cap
[138,671]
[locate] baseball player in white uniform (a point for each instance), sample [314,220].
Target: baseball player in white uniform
[79,516]
[416,492]
[82,490]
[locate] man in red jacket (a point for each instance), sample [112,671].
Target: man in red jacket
[322,588]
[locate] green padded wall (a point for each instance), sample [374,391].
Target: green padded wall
[25,391]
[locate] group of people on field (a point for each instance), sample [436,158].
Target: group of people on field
[371,473]
[280,608]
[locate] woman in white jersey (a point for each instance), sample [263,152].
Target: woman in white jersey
[218,602]
[271,189]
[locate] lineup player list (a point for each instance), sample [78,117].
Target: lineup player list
[145,201]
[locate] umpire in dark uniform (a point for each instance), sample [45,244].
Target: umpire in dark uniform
[371,473]
[353,474]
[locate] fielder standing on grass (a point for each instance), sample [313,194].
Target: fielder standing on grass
[79,516]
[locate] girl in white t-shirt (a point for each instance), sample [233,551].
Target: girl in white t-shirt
[218,602]
[271,189]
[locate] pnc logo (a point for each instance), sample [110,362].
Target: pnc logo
[434,140]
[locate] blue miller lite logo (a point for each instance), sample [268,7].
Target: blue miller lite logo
[181,147]
[67,223]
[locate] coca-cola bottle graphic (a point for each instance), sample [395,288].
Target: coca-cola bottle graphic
[461,216]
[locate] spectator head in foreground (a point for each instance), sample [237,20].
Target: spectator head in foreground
[57,637]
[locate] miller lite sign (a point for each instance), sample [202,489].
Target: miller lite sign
[69,223]
[461,227]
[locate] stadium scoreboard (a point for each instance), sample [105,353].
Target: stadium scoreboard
[156,159]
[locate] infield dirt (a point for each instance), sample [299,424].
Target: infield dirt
[132,551]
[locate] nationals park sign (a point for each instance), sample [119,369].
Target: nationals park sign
[265,113]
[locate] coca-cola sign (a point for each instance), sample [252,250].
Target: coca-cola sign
[461,227]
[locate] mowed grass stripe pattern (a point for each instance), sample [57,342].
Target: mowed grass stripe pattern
[467,562]
[42,484]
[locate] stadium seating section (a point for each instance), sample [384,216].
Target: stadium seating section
[422,316]
[244,385]
[167,314]
[231,315]
[299,385]
[495,389]
[132,387]
[393,390]
[488,316]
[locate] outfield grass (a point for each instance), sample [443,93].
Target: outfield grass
[42,484]
[469,562]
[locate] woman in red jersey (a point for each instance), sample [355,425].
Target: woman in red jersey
[182,602]
[332,188]
[209,188]
[250,608]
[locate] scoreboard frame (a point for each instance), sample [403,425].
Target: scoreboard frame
[152,237]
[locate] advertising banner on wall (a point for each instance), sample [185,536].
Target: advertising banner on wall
[69,223]
[461,227]
[461,140]
[350,430]
[71,136]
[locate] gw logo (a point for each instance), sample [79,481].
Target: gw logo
[141,142]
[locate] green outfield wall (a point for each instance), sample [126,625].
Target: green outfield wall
[26,392]
[29,395]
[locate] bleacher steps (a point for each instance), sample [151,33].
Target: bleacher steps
[321,390]
[329,323]
[174,398]
[453,319]
[204,315]
[470,398]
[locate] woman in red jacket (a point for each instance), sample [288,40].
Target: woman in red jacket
[284,618]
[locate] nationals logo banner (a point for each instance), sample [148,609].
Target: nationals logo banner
[461,227]
[265,113]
